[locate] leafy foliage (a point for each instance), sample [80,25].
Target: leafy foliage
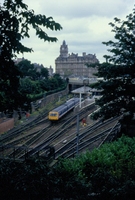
[28,180]
[44,73]
[37,83]
[118,72]
[110,170]
[105,173]
[15,23]
[27,69]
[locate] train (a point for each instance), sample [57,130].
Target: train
[58,112]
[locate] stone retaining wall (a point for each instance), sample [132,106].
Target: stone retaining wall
[44,101]
[6,124]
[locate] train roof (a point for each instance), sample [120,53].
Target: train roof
[65,104]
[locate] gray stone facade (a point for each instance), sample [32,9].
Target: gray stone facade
[74,65]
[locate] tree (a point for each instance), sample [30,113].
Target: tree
[15,23]
[109,171]
[27,86]
[59,79]
[28,70]
[44,73]
[105,173]
[118,72]
[53,83]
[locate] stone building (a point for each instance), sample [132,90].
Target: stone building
[74,65]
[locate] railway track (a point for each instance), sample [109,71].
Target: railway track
[45,135]
[30,126]
[27,126]
[40,138]
[54,134]
[91,138]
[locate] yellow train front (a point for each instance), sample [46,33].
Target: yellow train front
[58,112]
[53,115]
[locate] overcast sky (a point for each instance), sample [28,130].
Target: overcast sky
[85,27]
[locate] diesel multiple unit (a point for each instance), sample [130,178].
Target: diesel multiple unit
[58,112]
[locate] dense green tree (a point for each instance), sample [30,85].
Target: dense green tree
[54,83]
[27,69]
[69,183]
[59,79]
[45,84]
[35,89]
[109,171]
[118,72]
[26,180]
[15,22]
[28,86]
[44,73]
[105,173]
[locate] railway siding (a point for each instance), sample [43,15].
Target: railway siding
[61,136]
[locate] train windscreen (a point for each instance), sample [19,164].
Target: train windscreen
[53,114]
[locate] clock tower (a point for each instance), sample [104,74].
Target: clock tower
[64,50]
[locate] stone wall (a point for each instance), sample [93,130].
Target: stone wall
[6,124]
[53,97]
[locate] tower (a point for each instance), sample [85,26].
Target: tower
[64,50]
[73,64]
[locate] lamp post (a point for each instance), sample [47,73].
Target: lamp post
[77,134]
[80,97]
[60,96]
[85,82]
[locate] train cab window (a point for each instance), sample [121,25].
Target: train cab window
[53,114]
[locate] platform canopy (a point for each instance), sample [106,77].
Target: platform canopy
[82,90]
